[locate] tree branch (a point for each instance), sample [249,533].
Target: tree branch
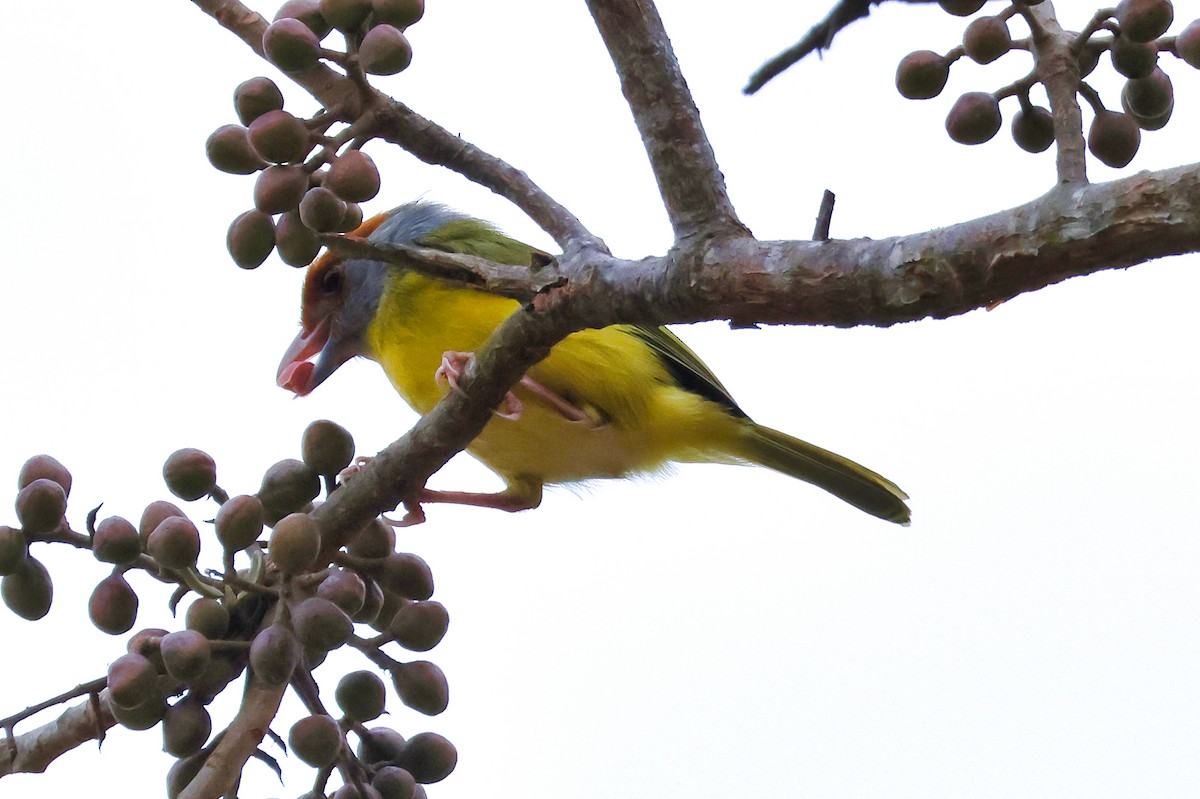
[689,180]
[1072,231]
[241,738]
[818,38]
[398,124]
[33,752]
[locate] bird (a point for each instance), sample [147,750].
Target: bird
[612,402]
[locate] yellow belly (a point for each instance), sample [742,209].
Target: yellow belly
[641,418]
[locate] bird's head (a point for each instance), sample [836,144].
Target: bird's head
[341,297]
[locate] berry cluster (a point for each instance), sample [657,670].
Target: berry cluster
[1133,35]
[309,181]
[275,608]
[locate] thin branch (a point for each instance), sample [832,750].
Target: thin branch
[818,38]
[516,282]
[689,180]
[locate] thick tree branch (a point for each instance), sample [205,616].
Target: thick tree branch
[689,180]
[1072,231]
[428,141]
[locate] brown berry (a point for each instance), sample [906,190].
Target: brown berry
[279,137]
[384,51]
[28,590]
[922,75]
[186,654]
[961,8]
[344,589]
[228,149]
[294,543]
[321,209]
[308,12]
[361,695]
[321,625]
[153,515]
[974,118]
[422,686]
[144,715]
[116,541]
[316,740]
[326,447]
[1133,59]
[345,15]
[352,218]
[255,97]
[986,39]
[209,617]
[132,680]
[1149,97]
[40,466]
[14,548]
[41,505]
[380,745]
[1187,44]
[1033,129]
[250,239]
[376,540]
[279,189]
[1114,138]
[419,626]
[175,543]
[406,575]
[353,176]
[297,243]
[113,605]
[398,13]
[274,654]
[186,727]
[393,782]
[190,474]
[288,486]
[239,522]
[1144,20]
[428,757]
[291,45]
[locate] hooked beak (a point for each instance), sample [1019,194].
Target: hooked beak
[297,372]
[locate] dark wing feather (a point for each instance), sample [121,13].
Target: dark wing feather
[685,366]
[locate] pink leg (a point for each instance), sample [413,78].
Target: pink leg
[453,364]
[452,367]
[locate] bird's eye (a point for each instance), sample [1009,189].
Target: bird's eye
[331,283]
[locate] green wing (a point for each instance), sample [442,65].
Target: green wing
[684,365]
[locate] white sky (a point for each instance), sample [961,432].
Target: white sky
[724,631]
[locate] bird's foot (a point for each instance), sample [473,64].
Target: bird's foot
[353,469]
[453,364]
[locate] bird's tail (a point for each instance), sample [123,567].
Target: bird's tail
[858,485]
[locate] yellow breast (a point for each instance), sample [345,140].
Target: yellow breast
[640,418]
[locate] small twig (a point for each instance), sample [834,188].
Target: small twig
[824,217]
[516,282]
[83,689]
[818,38]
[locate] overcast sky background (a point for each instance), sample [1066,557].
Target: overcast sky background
[720,632]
